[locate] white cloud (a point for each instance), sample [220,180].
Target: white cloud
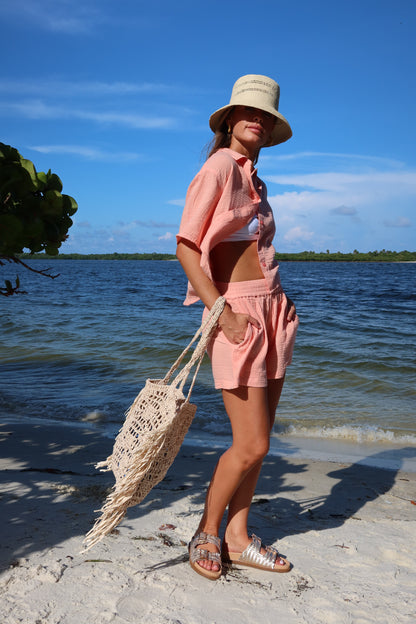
[293,203]
[131,120]
[333,207]
[343,192]
[344,210]
[121,237]
[37,109]
[154,224]
[177,202]
[298,234]
[73,89]
[168,236]
[340,158]
[338,182]
[89,153]
[399,222]
[61,16]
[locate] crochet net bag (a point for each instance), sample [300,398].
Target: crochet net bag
[152,434]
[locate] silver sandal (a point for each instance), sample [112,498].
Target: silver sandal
[253,557]
[200,554]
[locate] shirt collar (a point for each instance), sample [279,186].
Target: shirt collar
[236,155]
[241,159]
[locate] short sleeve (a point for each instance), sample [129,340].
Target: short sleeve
[202,198]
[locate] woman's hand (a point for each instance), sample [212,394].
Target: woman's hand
[291,310]
[234,324]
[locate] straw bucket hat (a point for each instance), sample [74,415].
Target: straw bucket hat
[259,92]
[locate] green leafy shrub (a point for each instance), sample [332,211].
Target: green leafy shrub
[34,213]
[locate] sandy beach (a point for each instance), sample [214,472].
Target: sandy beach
[349,530]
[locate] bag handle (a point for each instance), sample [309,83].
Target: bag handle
[205,331]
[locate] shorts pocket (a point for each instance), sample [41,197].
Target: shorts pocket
[250,329]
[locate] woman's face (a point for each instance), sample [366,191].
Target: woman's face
[251,129]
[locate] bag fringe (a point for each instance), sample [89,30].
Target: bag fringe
[123,495]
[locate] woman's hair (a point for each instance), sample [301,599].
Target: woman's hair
[221,139]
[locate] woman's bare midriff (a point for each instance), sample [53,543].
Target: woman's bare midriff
[235,262]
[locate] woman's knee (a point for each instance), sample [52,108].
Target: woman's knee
[250,455]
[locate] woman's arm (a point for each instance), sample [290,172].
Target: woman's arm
[189,256]
[234,325]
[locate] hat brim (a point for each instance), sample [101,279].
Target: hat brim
[280,133]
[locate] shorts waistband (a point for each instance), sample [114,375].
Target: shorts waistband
[250,288]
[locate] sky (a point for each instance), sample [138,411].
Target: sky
[115,95]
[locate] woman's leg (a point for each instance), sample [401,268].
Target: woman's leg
[249,413]
[236,536]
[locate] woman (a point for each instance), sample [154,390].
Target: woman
[225,248]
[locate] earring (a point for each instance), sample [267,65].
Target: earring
[230,130]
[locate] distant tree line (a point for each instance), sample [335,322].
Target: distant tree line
[356,256]
[314,256]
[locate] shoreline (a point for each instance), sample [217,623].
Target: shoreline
[348,528]
[386,454]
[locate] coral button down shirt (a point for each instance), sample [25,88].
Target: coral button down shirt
[222,198]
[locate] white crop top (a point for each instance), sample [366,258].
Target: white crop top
[248,232]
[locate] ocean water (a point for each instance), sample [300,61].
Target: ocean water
[79,348]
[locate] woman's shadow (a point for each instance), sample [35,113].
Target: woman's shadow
[356,485]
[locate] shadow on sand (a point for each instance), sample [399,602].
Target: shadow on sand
[50,488]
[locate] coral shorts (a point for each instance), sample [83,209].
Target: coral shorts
[265,353]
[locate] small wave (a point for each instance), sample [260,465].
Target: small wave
[351,433]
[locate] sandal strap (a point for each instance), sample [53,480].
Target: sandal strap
[271,555]
[201,554]
[205,538]
[252,554]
